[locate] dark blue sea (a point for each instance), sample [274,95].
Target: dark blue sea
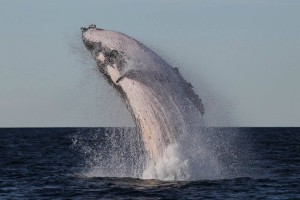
[48,163]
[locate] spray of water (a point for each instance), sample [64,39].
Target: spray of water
[110,152]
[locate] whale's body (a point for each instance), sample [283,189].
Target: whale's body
[163,105]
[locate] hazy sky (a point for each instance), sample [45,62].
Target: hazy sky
[243,58]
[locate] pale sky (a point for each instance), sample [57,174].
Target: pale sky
[243,58]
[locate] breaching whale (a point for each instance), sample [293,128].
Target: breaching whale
[162,103]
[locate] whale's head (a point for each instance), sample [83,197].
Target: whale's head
[114,52]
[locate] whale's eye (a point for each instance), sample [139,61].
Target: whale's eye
[114,53]
[113,56]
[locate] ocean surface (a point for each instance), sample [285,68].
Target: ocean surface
[54,163]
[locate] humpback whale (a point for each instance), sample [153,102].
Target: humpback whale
[162,103]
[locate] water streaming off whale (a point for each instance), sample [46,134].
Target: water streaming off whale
[167,112]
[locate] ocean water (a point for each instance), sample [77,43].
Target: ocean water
[66,163]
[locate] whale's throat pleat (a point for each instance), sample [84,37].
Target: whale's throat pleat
[150,116]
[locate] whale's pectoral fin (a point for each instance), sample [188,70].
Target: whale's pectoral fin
[194,98]
[198,103]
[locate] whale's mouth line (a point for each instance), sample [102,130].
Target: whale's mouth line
[119,79]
